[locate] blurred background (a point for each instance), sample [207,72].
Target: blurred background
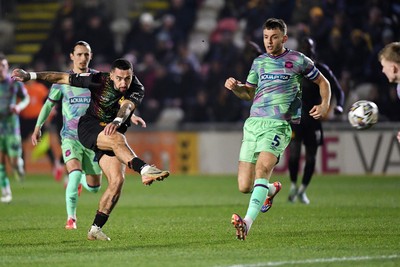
[183,50]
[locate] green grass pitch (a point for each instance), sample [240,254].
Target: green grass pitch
[185,221]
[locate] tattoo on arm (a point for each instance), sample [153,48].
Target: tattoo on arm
[54,77]
[125,110]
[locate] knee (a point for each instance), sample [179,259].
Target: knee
[245,187]
[93,183]
[245,190]
[94,189]
[116,184]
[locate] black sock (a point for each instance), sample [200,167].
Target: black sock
[100,219]
[136,164]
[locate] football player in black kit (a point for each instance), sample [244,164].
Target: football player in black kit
[114,97]
[309,131]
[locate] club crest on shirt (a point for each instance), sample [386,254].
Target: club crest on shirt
[288,64]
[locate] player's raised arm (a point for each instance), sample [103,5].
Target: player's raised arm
[49,76]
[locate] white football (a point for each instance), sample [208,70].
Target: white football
[363,114]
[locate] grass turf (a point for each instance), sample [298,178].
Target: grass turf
[185,221]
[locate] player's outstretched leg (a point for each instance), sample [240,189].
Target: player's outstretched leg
[151,173]
[240,225]
[268,202]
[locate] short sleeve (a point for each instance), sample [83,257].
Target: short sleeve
[55,93]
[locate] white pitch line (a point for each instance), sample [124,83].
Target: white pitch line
[311,261]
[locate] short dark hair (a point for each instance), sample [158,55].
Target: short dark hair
[273,23]
[80,43]
[121,64]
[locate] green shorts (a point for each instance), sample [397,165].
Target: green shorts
[11,145]
[261,134]
[73,149]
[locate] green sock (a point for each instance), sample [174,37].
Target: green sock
[257,198]
[71,193]
[3,177]
[4,181]
[93,189]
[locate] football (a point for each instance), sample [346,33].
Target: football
[363,114]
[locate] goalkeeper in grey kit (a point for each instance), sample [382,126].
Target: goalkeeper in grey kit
[114,97]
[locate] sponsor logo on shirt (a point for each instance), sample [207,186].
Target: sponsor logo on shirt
[271,77]
[79,100]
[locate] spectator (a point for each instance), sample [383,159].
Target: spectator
[357,55]
[142,37]
[319,26]
[332,54]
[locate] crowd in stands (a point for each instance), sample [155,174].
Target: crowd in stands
[182,86]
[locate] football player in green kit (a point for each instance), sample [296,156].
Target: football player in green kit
[13,98]
[273,84]
[80,161]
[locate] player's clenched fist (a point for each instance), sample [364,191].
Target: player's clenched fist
[231,83]
[20,75]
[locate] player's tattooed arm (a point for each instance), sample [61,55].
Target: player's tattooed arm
[127,107]
[49,76]
[53,77]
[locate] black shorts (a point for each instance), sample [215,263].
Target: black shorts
[309,132]
[88,131]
